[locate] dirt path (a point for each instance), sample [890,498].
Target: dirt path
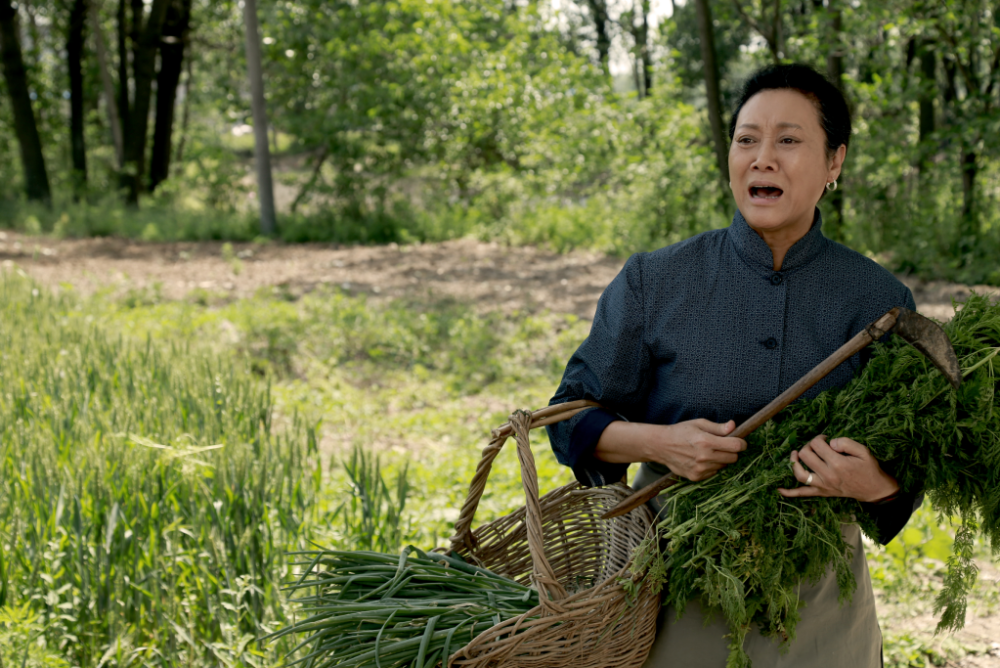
[486,274]
[489,276]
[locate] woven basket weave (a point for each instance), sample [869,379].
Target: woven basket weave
[559,544]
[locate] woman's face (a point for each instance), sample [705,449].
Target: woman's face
[778,164]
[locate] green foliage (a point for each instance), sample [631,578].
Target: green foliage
[373,516]
[122,528]
[156,223]
[379,376]
[383,376]
[906,651]
[421,120]
[22,639]
[733,541]
[959,579]
[145,501]
[908,575]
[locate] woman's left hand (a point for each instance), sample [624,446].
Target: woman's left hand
[842,467]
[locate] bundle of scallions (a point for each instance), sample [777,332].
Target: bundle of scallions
[738,546]
[389,611]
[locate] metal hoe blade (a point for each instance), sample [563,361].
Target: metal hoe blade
[928,337]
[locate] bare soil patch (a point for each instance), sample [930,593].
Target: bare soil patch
[488,275]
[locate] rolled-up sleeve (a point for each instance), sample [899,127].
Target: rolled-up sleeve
[610,367]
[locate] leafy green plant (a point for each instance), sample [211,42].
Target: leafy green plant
[22,640]
[906,651]
[146,503]
[234,262]
[737,544]
[373,516]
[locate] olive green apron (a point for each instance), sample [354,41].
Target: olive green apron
[829,635]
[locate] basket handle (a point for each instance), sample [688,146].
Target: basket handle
[519,423]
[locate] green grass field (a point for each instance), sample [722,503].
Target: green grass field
[160,459]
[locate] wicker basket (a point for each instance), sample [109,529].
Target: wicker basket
[559,544]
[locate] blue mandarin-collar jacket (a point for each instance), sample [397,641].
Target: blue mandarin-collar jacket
[706,328]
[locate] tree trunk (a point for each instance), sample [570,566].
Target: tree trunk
[186,116]
[636,78]
[835,72]
[599,12]
[262,154]
[645,51]
[835,57]
[109,88]
[173,44]
[642,66]
[950,88]
[32,54]
[138,11]
[308,186]
[711,70]
[928,80]
[36,178]
[124,105]
[144,64]
[970,220]
[74,62]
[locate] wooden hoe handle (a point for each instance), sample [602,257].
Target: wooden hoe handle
[871,333]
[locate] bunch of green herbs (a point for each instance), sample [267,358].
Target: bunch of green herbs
[734,543]
[386,611]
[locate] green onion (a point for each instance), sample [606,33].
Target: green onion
[389,611]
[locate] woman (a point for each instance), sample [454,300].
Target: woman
[693,338]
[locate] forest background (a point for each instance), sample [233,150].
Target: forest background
[164,454]
[578,123]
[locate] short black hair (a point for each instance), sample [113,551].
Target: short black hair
[834,114]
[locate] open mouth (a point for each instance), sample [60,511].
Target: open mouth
[765,192]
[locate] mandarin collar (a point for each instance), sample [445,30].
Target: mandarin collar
[755,251]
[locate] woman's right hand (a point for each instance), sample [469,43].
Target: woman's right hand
[695,449]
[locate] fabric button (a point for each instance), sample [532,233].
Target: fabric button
[770,344]
[776,279]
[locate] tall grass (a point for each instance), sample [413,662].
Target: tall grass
[146,499]
[373,516]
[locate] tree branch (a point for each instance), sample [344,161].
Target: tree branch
[971,81]
[308,185]
[770,35]
[749,19]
